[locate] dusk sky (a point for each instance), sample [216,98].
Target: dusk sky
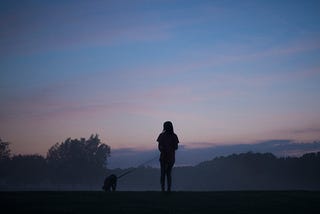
[224,72]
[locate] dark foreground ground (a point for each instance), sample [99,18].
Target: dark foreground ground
[156,202]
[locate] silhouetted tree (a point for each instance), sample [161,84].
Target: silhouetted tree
[78,161]
[4,150]
[4,161]
[27,169]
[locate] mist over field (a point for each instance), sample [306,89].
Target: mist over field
[186,156]
[80,164]
[245,171]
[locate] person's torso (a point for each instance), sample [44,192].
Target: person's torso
[168,144]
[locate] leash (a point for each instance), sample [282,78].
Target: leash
[132,170]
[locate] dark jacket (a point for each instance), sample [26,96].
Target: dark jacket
[167,144]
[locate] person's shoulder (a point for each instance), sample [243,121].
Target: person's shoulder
[160,136]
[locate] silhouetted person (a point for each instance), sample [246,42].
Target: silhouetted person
[110,183]
[167,144]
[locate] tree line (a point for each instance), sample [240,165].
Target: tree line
[82,164]
[72,163]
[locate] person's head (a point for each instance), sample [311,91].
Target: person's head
[168,127]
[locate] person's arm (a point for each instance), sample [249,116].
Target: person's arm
[160,147]
[176,142]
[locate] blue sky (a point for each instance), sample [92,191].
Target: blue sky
[224,72]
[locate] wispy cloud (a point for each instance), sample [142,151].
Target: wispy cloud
[57,98]
[307,130]
[60,27]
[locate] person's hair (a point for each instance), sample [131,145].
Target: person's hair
[168,127]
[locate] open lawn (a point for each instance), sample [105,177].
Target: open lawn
[157,202]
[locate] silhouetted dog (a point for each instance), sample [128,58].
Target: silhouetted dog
[110,183]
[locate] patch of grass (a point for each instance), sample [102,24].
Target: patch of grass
[157,202]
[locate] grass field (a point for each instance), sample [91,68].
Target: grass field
[157,202]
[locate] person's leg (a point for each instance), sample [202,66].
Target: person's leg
[169,178]
[162,176]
